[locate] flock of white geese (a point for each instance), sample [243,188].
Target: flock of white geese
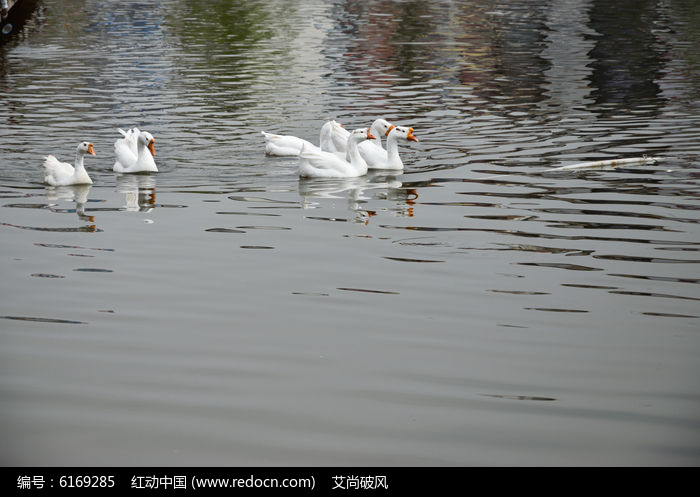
[341,154]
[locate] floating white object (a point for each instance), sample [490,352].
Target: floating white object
[609,163]
[583,166]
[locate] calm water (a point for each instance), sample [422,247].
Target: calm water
[474,310]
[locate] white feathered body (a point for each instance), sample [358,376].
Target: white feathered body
[284,145]
[315,163]
[339,137]
[58,173]
[393,160]
[372,151]
[132,156]
[290,145]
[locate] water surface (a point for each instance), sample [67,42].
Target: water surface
[476,309]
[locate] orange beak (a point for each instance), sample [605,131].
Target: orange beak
[91,150]
[152,147]
[370,136]
[411,137]
[389,130]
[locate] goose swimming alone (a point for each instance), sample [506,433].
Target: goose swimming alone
[62,174]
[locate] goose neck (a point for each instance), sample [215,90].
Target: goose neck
[79,156]
[353,155]
[374,130]
[392,150]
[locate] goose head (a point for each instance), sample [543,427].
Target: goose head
[363,134]
[403,132]
[336,127]
[86,148]
[146,139]
[381,127]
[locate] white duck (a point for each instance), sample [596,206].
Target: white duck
[135,152]
[290,146]
[314,163]
[393,161]
[62,174]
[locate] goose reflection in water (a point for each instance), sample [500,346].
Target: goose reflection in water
[391,189]
[77,193]
[358,193]
[139,191]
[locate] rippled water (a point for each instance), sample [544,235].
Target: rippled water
[477,309]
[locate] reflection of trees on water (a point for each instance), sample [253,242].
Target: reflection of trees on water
[487,56]
[568,43]
[387,38]
[464,44]
[627,58]
[228,23]
[504,53]
[233,48]
[683,42]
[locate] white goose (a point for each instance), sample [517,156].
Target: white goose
[339,138]
[380,127]
[290,146]
[135,152]
[372,152]
[62,174]
[392,160]
[315,163]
